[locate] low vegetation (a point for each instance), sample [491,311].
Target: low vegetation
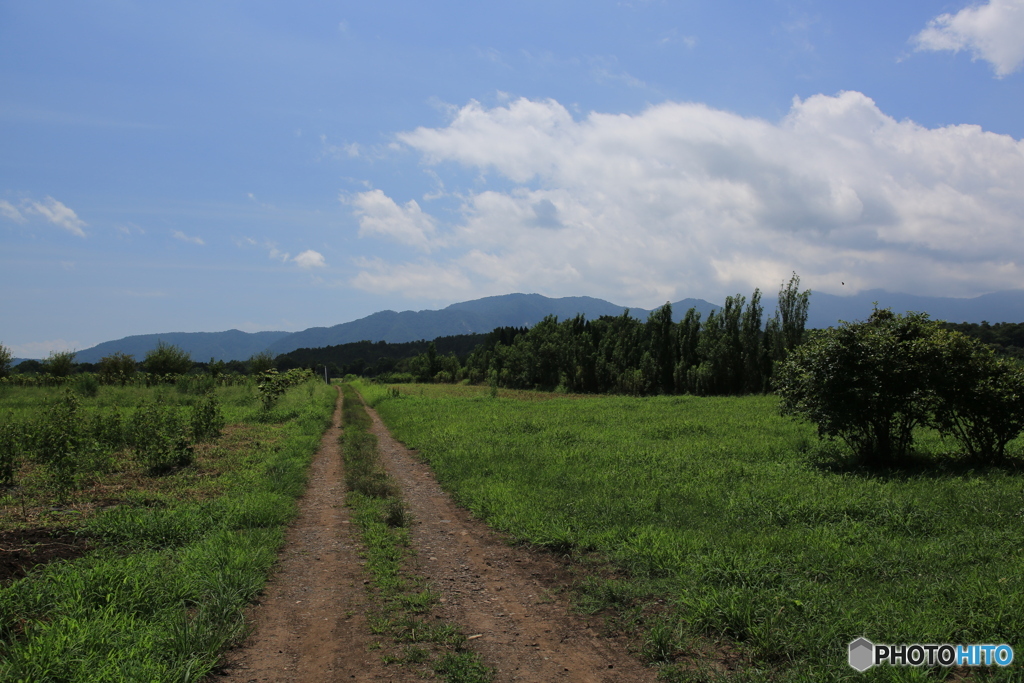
[179,500]
[724,521]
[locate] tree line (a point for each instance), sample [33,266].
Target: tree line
[731,351]
[372,359]
[161,363]
[1005,339]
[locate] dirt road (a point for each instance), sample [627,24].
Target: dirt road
[310,624]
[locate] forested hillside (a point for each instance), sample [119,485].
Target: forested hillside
[370,359]
[1004,338]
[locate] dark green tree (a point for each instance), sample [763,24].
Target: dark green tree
[687,337]
[756,359]
[259,363]
[60,363]
[792,315]
[167,359]
[5,361]
[661,332]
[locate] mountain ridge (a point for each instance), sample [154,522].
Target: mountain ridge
[523,310]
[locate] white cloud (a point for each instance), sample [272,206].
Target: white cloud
[128,229]
[411,279]
[43,349]
[685,200]
[379,215]
[10,212]
[59,215]
[179,235]
[993,32]
[310,259]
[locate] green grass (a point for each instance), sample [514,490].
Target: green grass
[177,559]
[736,518]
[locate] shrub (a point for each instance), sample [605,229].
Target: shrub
[159,437]
[195,385]
[58,443]
[872,383]
[117,367]
[12,439]
[108,430]
[87,385]
[206,419]
[981,401]
[272,384]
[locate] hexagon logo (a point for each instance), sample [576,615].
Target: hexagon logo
[862,654]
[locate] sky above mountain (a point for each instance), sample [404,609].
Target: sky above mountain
[201,166]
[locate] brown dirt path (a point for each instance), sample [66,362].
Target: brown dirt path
[500,593]
[310,623]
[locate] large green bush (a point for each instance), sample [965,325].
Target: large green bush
[872,383]
[118,368]
[167,359]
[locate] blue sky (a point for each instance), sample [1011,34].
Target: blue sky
[201,166]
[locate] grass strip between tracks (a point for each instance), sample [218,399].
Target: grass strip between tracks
[403,600]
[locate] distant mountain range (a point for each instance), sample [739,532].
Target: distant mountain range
[524,310]
[229,345]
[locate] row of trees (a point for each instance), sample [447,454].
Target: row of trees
[166,360]
[1006,339]
[873,383]
[732,351]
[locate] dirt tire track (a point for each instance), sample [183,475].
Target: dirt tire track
[497,591]
[310,623]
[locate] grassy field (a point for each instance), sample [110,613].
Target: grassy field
[747,530]
[177,553]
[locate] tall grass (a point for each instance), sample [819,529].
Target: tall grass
[740,522]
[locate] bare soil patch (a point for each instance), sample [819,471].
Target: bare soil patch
[506,598]
[24,549]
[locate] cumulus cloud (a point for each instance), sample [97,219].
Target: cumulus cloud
[179,235]
[310,259]
[683,200]
[993,32]
[59,215]
[306,260]
[379,215]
